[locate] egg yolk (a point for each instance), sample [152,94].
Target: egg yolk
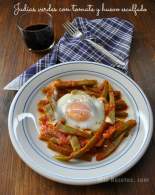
[78,111]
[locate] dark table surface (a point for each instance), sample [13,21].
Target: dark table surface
[15,176]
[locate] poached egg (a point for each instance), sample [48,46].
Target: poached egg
[80,110]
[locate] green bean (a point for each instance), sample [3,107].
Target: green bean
[70,130]
[110,147]
[74,141]
[110,118]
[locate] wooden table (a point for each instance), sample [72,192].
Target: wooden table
[15,176]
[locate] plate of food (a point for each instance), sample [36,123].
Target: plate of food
[80,123]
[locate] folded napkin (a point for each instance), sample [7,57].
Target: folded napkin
[113,34]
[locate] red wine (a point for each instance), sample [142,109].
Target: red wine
[38,37]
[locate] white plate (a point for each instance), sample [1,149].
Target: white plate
[35,153]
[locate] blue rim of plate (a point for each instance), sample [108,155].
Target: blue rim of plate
[101,178]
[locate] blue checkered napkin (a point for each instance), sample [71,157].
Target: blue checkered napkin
[113,34]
